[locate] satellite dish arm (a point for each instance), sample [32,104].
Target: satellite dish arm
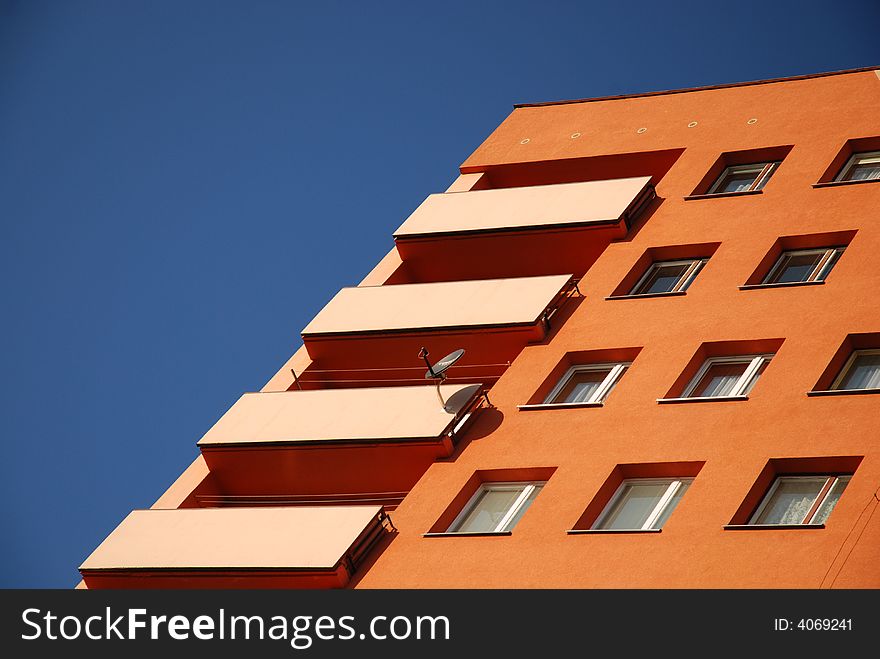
[423,353]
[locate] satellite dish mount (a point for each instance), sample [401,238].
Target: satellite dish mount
[437,372]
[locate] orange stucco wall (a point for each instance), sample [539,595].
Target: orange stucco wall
[735,440]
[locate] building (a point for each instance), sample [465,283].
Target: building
[668,308]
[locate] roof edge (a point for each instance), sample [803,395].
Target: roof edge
[698,89]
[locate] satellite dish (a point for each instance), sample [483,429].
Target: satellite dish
[437,372]
[439,369]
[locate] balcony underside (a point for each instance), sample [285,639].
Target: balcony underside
[505,254]
[376,472]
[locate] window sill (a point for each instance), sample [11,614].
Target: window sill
[787,284]
[586,531]
[644,295]
[745,193]
[467,534]
[764,527]
[557,406]
[834,184]
[700,399]
[842,392]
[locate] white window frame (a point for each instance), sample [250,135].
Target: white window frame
[617,369]
[684,281]
[848,366]
[755,362]
[763,171]
[674,485]
[818,502]
[830,256]
[528,487]
[865,157]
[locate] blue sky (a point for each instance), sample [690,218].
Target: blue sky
[183,185]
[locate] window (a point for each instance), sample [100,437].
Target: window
[586,384]
[800,500]
[861,167]
[668,277]
[803,265]
[727,376]
[495,507]
[744,178]
[642,504]
[861,371]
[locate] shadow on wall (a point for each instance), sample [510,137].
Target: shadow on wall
[641,220]
[372,557]
[560,317]
[488,420]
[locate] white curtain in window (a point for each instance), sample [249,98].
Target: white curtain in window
[634,505]
[583,391]
[581,386]
[864,373]
[791,501]
[719,380]
[488,510]
[831,500]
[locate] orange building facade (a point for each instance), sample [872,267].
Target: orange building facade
[668,309]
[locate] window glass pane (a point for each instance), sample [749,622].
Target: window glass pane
[795,267]
[829,264]
[662,279]
[634,505]
[490,507]
[831,500]
[670,506]
[751,383]
[863,374]
[737,182]
[791,501]
[863,172]
[614,382]
[719,380]
[522,509]
[581,386]
[763,181]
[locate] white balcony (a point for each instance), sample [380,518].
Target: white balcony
[540,207]
[445,305]
[322,416]
[235,547]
